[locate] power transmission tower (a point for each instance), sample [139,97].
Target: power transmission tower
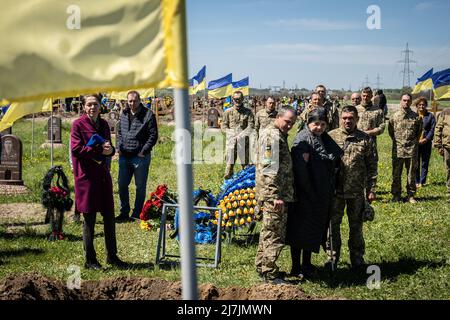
[366,82]
[406,69]
[378,81]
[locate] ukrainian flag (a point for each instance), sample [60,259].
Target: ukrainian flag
[191,87]
[227,103]
[63,48]
[18,110]
[201,79]
[221,88]
[441,84]
[242,85]
[424,82]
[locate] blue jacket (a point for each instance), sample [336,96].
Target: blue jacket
[429,123]
[139,135]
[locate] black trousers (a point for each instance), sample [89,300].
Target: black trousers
[109,227]
[423,163]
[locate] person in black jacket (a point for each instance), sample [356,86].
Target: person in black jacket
[137,133]
[315,158]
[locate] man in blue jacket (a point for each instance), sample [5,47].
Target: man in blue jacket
[136,135]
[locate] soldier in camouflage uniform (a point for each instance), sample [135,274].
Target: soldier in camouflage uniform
[356,179]
[265,116]
[405,128]
[238,123]
[442,142]
[315,101]
[274,190]
[331,108]
[371,117]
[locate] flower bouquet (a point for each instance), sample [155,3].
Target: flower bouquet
[237,202]
[56,199]
[153,206]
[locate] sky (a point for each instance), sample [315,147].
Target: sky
[304,43]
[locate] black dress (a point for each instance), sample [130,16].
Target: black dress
[314,180]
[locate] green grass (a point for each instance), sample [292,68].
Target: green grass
[410,243]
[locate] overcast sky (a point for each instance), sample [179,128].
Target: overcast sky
[308,42]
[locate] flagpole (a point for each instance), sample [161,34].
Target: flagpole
[51,136]
[184,178]
[184,171]
[32,136]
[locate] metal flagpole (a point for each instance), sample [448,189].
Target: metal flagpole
[184,178]
[32,136]
[184,170]
[51,137]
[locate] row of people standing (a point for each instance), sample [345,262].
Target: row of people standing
[91,157]
[355,177]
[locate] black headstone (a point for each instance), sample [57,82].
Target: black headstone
[11,160]
[213,118]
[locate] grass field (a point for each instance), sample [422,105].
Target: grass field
[410,243]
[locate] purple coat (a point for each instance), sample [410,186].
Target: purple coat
[93,183]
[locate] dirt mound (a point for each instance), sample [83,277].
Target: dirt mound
[33,286]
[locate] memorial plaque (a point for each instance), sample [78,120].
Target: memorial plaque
[11,160]
[213,118]
[56,123]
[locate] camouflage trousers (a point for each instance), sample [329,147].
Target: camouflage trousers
[447,166]
[235,149]
[271,240]
[397,168]
[356,243]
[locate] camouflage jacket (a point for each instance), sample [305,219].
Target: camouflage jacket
[332,115]
[235,120]
[263,119]
[442,130]
[405,128]
[274,175]
[370,117]
[358,169]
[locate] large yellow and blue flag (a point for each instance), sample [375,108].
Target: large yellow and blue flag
[242,85]
[200,77]
[192,87]
[18,110]
[63,48]
[441,84]
[221,88]
[424,82]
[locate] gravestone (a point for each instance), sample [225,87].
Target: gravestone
[11,160]
[113,120]
[213,118]
[56,123]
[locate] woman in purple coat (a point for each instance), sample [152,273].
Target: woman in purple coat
[93,183]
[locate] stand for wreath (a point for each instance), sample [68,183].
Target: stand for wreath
[161,253]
